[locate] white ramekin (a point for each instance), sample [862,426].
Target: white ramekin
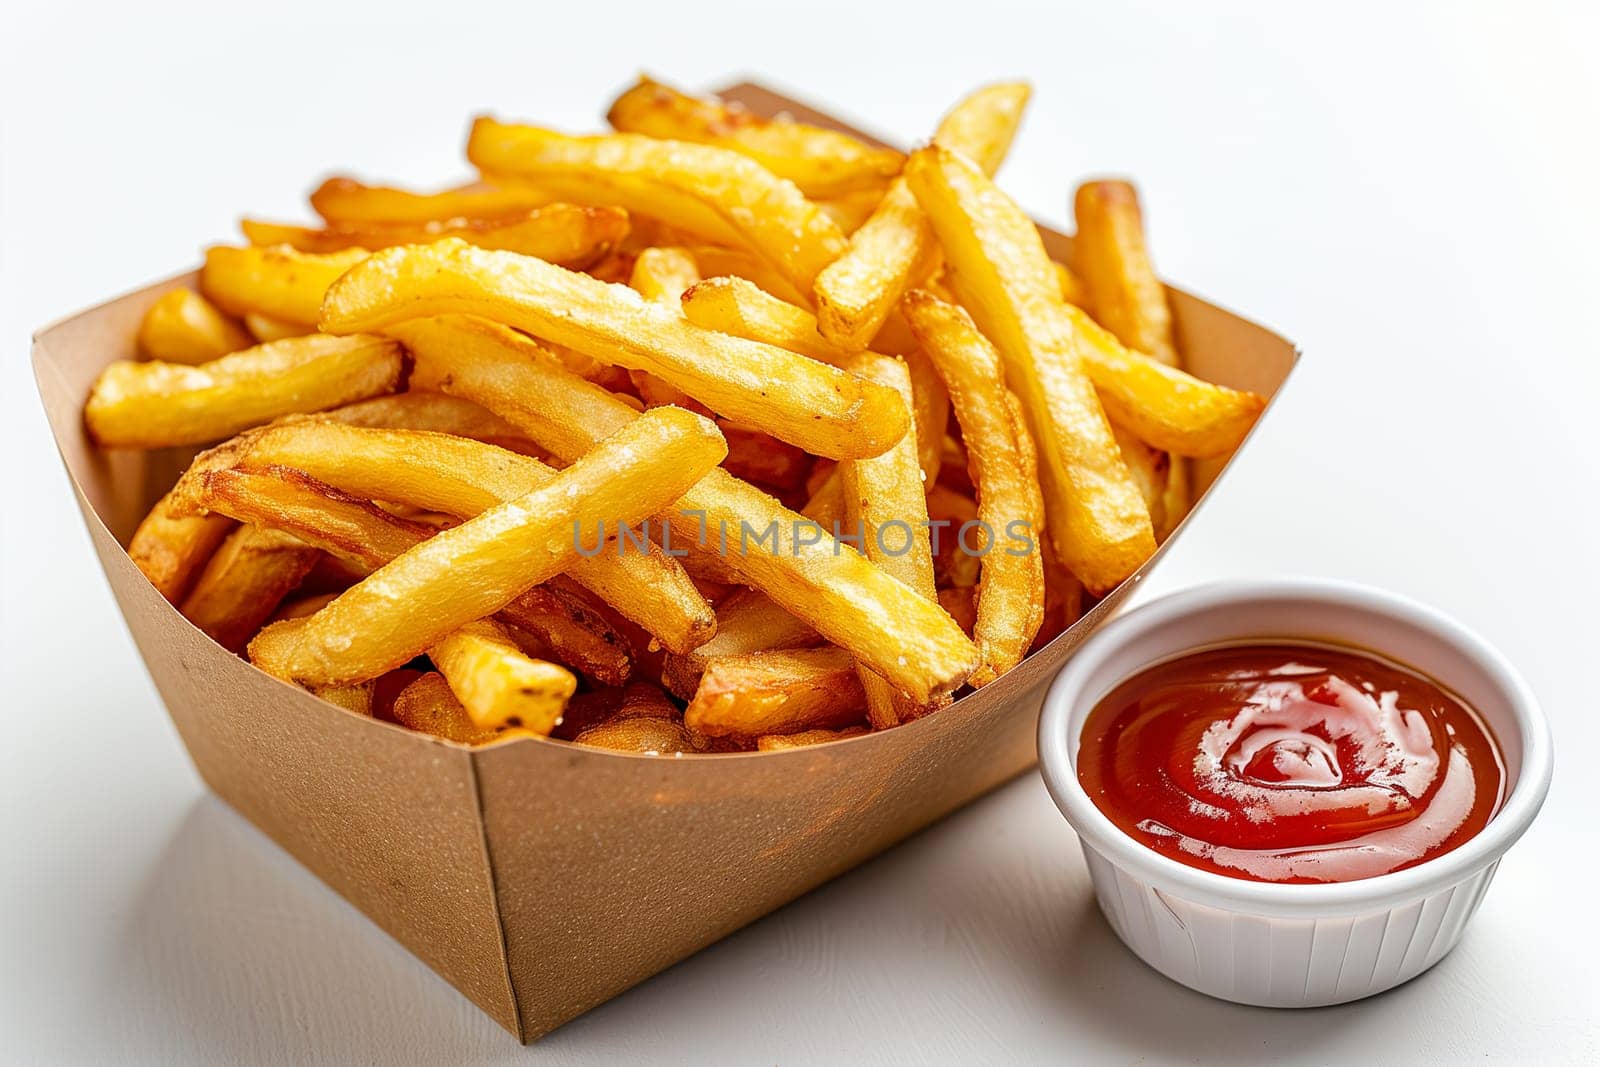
[1292,945]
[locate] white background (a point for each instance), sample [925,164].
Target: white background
[1410,193]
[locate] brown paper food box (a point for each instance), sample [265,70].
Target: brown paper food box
[537,877]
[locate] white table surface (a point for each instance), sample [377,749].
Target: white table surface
[1411,195]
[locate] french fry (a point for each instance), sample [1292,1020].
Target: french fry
[243,583]
[155,405]
[435,412]
[356,698]
[997,265]
[852,210]
[184,327]
[1149,467]
[962,605]
[894,249]
[806,738]
[956,561]
[821,162]
[737,306]
[266,328]
[811,405]
[368,537]
[776,693]
[428,706]
[477,568]
[849,601]
[720,261]
[497,683]
[1011,594]
[642,735]
[1073,288]
[885,494]
[759,457]
[279,283]
[170,546]
[347,202]
[660,275]
[567,234]
[460,477]
[1110,257]
[748,621]
[1128,299]
[709,191]
[1162,405]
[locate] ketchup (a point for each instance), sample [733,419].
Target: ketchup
[1290,763]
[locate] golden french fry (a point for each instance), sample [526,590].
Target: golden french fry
[1162,405]
[720,261]
[461,477]
[1111,259]
[368,537]
[562,620]
[809,404]
[1073,288]
[428,706]
[435,412]
[567,234]
[885,504]
[154,405]
[737,306]
[710,191]
[776,693]
[497,683]
[266,328]
[806,738]
[279,283]
[852,603]
[347,202]
[184,327]
[821,162]
[641,734]
[852,210]
[997,265]
[894,248]
[243,583]
[356,698]
[1128,299]
[1149,468]
[660,275]
[748,621]
[477,568]
[761,458]
[171,546]
[1011,594]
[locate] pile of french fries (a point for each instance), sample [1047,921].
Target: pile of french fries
[713,433]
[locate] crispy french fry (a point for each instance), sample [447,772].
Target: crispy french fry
[812,405]
[1110,256]
[1149,468]
[997,265]
[436,412]
[243,583]
[1011,593]
[460,477]
[154,405]
[356,698]
[279,283]
[737,306]
[368,537]
[956,559]
[643,735]
[184,327]
[567,234]
[1063,599]
[852,210]
[883,500]
[1162,405]
[660,275]
[821,162]
[748,621]
[761,458]
[347,202]
[776,693]
[806,738]
[428,706]
[266,328]
[894,248]
[171,546]
[720,261]
[710,191]
[497,683]
[851,602]
[1073,288]
[477,568]
[1128,299]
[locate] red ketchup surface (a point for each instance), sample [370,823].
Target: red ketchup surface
[1290,763]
